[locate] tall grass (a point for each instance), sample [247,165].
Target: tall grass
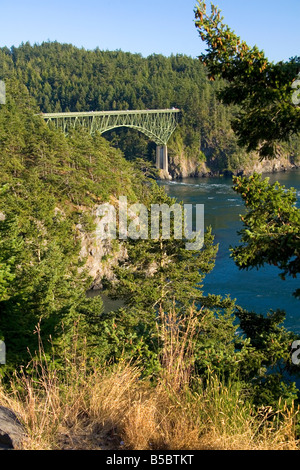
[111,407]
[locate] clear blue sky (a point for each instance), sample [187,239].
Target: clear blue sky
[146,27]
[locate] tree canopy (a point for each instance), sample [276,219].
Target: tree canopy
[61,77]
[263,90]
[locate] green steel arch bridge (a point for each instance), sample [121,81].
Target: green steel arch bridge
[157,124]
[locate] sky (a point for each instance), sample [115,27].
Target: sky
[149,27]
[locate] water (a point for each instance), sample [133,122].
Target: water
[256,290]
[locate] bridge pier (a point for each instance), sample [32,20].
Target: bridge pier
[162,158]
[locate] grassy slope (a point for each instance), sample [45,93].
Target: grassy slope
[104,408]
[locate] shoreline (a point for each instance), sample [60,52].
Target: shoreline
[230,174]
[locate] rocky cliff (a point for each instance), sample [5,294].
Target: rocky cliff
[181,166]
[100,255]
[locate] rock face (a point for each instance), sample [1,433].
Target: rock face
[100,255]
[182,167]
[12,433]
[270,166]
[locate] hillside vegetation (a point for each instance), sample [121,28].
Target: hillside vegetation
[190,369]
[48,188]
[61,77]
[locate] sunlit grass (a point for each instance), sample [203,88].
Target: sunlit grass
[112,407]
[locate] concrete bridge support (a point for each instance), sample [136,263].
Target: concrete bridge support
[162,157]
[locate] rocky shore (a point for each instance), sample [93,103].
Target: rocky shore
[183,167]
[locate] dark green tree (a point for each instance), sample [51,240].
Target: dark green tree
[263,90]
[271,227]
[160,271]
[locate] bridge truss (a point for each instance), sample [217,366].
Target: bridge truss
[157,124]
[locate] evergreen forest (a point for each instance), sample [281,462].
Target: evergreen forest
[61,78]
[190,365]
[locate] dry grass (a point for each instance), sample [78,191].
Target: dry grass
[112,408]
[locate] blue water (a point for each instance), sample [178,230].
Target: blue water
[257,290]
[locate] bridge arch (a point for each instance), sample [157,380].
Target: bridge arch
[155,138]
[158,125]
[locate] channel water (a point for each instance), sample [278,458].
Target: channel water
[259,290]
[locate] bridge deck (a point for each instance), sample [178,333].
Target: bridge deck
[111,113]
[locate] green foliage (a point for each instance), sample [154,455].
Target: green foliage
[161,276]
[267,121]
[262,90]
[61,77]
[51,184]
[49,188]
[270,357]
[157,271]
[270,236]
[6,259]
[271,226]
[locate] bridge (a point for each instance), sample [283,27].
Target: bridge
[157,124]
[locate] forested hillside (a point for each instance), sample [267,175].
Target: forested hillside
[61,77]
[190,365]
[49,186]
